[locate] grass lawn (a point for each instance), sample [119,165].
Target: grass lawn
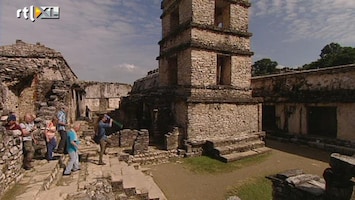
[254,189]
[208,165]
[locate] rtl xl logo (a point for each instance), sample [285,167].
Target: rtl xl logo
[41,12]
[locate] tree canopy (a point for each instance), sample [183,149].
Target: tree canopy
[333,55]
[263,67]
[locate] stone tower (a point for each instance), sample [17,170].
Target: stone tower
[205,60]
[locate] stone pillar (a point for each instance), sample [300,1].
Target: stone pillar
[172,139]
[127,137]
[338,178]
[141,143]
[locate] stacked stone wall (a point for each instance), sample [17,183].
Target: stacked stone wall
[333,84]
[181,119]
[10,159]
[184,69]
[220,40]
[103,96]
[27,100]
[185,10]
[241,72]
[141,143]
[183,37]
[220,93]
[203,69]
[127,137]
[218,120]
[203,12]
[240,14]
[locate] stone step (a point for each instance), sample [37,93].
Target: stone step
[41,178]
[238,147]
[136,182]
[240,155]
[242,138]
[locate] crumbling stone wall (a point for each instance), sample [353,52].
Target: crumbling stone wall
[10,159]
[24,68]
[292,94]
[103,96]
[333,84]
[141,142]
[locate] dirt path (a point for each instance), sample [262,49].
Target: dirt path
[178,183]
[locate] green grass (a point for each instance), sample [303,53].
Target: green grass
[208,165]
[255,189]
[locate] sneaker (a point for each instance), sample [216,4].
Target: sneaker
[66,174]
[74,170]
[102,163]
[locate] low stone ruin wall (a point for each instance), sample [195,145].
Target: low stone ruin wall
[141,143]
[127,137]
[10,159]
[337,182]
[172,139]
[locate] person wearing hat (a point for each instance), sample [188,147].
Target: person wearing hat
[11,123]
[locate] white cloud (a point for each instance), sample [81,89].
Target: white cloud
[330,20]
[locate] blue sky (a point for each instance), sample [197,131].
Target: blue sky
[116,40]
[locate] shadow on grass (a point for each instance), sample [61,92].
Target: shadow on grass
[301,150]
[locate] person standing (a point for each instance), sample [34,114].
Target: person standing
[28,127]
[104,122]
[73,150]
[51,140]
[62,122]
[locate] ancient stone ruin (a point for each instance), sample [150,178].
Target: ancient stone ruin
[202,86]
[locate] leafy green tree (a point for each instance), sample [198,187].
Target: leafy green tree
[333,55]
[330,49]
[263,67]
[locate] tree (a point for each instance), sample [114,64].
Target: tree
[333,55]
[263,67]
[330,49]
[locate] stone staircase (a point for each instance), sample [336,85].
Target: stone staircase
[123,181]
[236,148]
[115,180]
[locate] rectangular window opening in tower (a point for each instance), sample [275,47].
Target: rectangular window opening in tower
[174,20]
[222,14]
[223,70]
[172,70]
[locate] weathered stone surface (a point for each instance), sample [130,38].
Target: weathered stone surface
[10,159]
[295,185]
[172,139]
[141,142]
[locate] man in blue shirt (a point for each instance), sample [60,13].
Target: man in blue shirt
[72,148]
[105,122]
